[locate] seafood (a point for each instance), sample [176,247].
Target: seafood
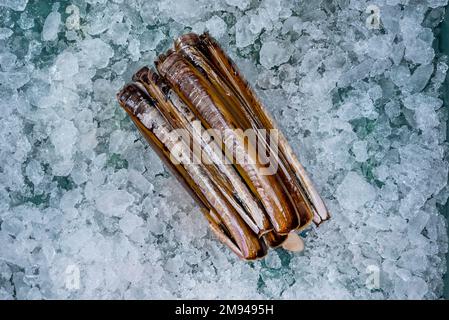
[207,125]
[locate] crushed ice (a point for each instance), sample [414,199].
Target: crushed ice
[88,211]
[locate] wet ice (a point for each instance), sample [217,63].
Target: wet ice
[361,107]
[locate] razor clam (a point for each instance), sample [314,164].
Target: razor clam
[226,223]
[180,117]
[203,100]
[247,209]
[230,72]
[203,58]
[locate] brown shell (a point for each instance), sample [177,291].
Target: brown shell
[247,210]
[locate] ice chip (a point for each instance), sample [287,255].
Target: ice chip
[273,54]
[113,203]
[16,5]
[51,26]
[354,192]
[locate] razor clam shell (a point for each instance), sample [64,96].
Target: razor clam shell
[246,210]
[227,225]
[178,114]
[230,72]
[191,47]
[214,112]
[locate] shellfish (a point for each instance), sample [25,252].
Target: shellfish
[210,129]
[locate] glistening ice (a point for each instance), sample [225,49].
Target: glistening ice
[88,211]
